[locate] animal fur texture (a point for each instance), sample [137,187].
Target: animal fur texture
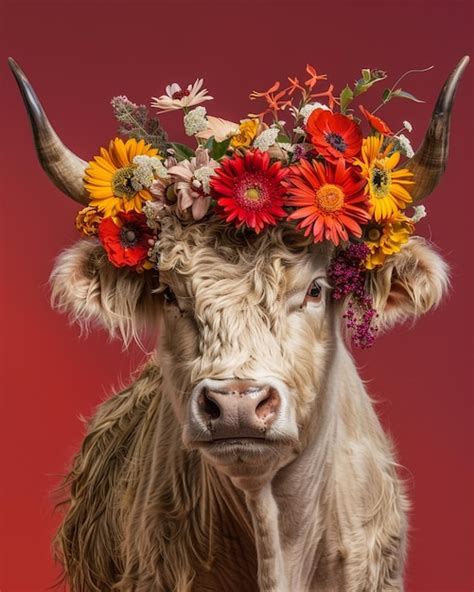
[320,507]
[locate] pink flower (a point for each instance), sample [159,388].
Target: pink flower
[162,187]
[176,98]
[192,183]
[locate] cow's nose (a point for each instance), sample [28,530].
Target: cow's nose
[237,409]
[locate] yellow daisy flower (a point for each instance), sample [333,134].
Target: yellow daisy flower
[108,177]
[385,186]
[387,238]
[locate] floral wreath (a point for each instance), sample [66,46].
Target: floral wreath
[304,159]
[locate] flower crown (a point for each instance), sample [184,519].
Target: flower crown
[309,158]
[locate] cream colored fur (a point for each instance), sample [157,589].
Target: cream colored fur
[326,513]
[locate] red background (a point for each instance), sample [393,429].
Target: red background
[79,55]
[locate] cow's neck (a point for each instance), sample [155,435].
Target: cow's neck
[289,516]
[285,523]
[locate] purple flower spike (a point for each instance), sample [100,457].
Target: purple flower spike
[347,276]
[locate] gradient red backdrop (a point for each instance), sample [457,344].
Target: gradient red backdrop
[80,54]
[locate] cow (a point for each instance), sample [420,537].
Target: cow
[246,455]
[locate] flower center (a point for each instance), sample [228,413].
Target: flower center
[179,94]
[380,181]
[128,237]
[122,182]
[374,234]
[170,194]
[253,191]
[329,198]
[336,141]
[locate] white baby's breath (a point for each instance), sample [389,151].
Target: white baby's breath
[306,111]
[408,126]
[405,146]
[419,212]
[202,176]
[266,139]
[145,170]
[195,121]
[151,209]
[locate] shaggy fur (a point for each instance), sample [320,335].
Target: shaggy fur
[325,511]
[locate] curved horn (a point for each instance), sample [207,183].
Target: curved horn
[429,162]
[63,167]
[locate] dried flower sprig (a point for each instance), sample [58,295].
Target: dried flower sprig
[135,122]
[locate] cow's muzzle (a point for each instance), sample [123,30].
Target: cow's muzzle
[232,409]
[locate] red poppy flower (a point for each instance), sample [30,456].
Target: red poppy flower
[377,123]
[329,198]
[249,191]
[334,135]
[126,238]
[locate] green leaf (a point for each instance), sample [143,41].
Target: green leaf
[346,97]
[405,95]
[181,151]
[363,84]
[386,95]
[283,139]
[209,144]
[220,148]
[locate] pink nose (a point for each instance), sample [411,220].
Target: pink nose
[237,409]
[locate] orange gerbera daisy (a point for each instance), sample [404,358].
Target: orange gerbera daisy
[377,123]
[334,135]
[329,198]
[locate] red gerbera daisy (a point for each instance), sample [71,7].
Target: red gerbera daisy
[377,123]
[126,238]
[334,135]
[330,200]
[249,191]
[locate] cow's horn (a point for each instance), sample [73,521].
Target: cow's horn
[429,162]
[64,168]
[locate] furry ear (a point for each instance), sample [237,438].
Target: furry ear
[409,284]
[88,287]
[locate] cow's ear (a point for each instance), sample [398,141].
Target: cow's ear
[88,287]
[409,284]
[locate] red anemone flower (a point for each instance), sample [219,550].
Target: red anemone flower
[334,135]
[126,238]
[377,123]
[329,198]
[248,189]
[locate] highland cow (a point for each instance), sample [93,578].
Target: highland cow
[246,454]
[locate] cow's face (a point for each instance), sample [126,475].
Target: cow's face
[249,329]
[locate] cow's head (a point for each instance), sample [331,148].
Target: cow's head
[249,333]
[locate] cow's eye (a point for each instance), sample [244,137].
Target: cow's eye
[314,292]
[168,295]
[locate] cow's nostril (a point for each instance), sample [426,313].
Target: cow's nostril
[269,405]
[208,406]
